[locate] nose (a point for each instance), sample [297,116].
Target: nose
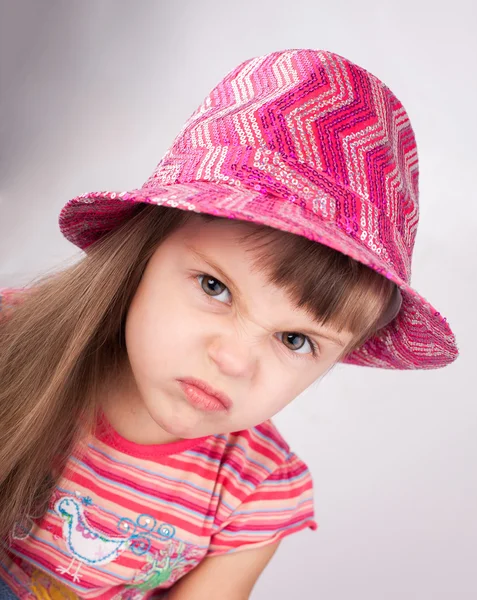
[232,355]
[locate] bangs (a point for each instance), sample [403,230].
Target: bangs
[334,289]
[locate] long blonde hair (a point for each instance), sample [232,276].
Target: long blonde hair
[66,336]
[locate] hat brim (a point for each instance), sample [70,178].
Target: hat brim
[419,337]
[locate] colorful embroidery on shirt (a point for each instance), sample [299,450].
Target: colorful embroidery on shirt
[143,531]
[92,547]
[89,546]
[168,564]
[86,545]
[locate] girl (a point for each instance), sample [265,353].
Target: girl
[273,240]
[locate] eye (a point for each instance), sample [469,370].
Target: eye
[212,286]
[291,337]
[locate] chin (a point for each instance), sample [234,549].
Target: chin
[177,427]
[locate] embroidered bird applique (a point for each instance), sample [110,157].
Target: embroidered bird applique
[87,545]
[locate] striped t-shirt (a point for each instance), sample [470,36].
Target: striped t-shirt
[127,520]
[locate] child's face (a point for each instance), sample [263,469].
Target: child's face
[238,345]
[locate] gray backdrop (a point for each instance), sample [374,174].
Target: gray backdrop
[93,93]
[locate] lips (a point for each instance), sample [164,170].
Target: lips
[205,387]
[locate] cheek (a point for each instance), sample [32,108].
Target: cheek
[285,385]
[158,335]
[276,388]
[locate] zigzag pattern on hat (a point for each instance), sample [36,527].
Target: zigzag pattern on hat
[315,129]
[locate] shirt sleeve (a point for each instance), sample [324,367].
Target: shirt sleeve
[280,505]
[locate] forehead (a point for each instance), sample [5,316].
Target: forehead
[217,231]
[222,241]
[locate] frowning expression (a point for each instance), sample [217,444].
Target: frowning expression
[202,311]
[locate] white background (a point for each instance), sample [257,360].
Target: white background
[92,95]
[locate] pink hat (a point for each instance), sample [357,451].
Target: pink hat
[307,142]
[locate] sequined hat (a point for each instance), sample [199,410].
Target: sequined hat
[308,142]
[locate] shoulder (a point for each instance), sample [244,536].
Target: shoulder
[260,450]
[251,456]
[264,491]
[256,456]
[9,295]
[9,298]
[263,443]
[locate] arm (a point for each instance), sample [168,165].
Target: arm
[230,576]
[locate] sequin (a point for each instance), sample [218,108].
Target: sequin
[310,156]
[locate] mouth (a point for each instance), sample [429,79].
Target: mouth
[202,394]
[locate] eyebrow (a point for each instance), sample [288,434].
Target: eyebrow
[236,292]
